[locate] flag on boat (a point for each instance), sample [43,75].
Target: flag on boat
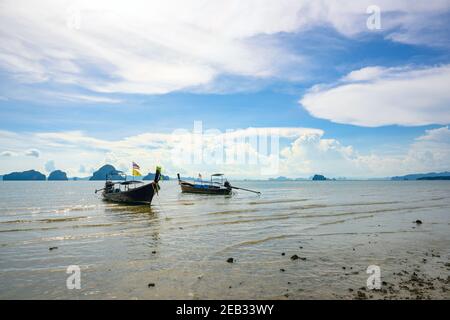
[135,171]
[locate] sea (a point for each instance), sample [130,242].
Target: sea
[297,240]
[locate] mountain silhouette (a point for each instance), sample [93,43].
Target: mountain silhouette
[57,175]
[151,176]
[30,175]
[417,176]
[103,172]
[319,177]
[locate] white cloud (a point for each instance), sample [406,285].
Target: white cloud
[312,153]
[158,47]
[82,169]
[438,136]
[7,154]
[33,153]
[366,74]
[379,96]
[305,152]
[80,97]
[50,166]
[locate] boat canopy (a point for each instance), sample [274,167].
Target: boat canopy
[217,175]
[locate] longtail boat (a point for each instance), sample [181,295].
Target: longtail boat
[218,185]
[130,192]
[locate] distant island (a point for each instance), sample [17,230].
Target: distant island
[281,178]
[30,175]
[435,178]
[316,177]
[106,170]
[57,175]
[423,176]
[113,173]
[151,176]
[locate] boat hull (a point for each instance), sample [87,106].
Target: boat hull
[140,195]
[190,188]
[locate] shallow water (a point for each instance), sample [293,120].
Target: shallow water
[181,243]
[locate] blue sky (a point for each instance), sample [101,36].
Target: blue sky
[99,73]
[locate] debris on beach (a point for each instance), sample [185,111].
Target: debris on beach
[361,295]
[296,257]
[414,284]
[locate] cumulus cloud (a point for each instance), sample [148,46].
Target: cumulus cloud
[33,153]
[301,153]
[432,149]
[154,47]
[50,166]
[314,154]
[377,96]
[311,153]
[7,154]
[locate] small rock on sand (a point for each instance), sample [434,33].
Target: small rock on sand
[361,295]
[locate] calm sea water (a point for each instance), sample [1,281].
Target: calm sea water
[181,243]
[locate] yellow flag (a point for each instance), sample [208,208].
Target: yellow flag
[136,173]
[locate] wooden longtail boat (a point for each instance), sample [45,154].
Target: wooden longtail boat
[129,192]
[207,187]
